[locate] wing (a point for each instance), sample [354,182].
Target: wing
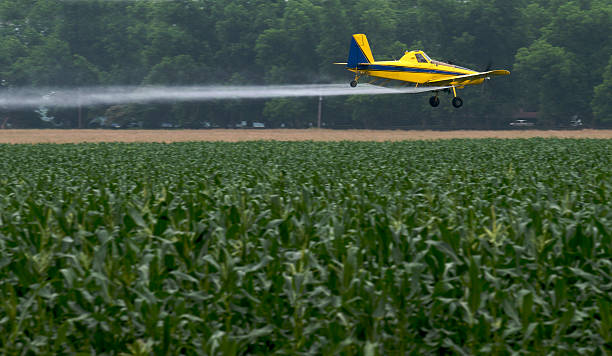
[405,87]
[458,80]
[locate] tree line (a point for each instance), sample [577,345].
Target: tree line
[559,53]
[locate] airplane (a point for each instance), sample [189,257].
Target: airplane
[415,67]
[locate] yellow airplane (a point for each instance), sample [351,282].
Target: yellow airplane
[415,67]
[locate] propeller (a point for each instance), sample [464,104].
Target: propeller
[487,68]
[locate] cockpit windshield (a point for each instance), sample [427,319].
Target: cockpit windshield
[426,57]
[420,58]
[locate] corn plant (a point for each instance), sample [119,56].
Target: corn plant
[450,247]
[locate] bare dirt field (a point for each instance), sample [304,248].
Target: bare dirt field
[75,136]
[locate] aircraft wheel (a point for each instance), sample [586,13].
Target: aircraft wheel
[353,83]
[434,101]
[457,102]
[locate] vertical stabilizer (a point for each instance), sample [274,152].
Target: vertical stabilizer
[359,52]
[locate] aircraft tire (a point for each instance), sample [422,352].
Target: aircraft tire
[434,101]
[353,83]
[457,102]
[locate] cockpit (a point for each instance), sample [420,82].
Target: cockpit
[422,57]
[418,56]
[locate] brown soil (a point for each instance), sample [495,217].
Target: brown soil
[75,136]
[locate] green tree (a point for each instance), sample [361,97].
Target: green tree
[47,64]
[295,113]
[288,52]
[179,70]
[548,76]
[602,101]
[379,21]
[559,50]
[334,40]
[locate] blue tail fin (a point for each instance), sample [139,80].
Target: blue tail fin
[359,52]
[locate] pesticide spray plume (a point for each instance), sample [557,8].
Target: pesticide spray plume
[115,1]
[92,96]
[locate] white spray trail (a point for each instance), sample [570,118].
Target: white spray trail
[66,98]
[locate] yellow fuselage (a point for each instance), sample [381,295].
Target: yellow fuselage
[415,67]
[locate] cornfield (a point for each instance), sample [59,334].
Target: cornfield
[355,248]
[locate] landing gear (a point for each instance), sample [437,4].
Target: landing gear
[457,102]
[434,101]
[354,81]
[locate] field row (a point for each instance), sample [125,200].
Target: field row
[458,246]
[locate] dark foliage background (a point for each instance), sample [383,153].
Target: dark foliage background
[559,52]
